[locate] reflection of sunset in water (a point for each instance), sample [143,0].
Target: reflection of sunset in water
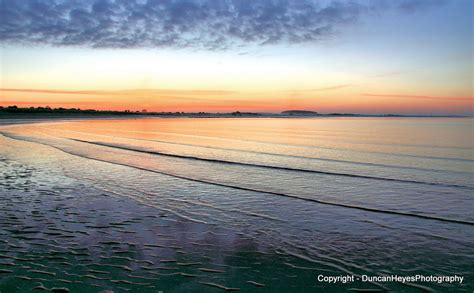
[238,202]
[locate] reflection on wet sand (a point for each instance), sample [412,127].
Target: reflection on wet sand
[76,237]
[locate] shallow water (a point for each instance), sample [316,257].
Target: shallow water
[250,204]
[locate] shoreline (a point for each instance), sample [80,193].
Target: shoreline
[41,117]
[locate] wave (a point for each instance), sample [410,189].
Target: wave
[337,137]
[299,145]
[275,154]
[236,187]
[269,166]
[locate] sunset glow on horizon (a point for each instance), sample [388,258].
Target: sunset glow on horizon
[373,58]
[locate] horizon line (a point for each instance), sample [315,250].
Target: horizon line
[145,112]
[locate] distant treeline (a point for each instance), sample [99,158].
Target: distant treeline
[48,110]
[77,111]
[42,112]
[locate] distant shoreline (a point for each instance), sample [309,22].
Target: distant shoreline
[45,118]
[13,112]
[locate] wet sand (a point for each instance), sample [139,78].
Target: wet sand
[61,235]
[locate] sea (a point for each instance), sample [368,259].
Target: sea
[227,204]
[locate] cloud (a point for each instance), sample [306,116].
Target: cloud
[56,96]
[123,92]
[210,25]
[322,89]
[168,94]
[419,97]
[415,5]
[331,88]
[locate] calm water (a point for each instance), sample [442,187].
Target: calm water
[250,204]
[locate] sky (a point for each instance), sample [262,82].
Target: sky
[372,57]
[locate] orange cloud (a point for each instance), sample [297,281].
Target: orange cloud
[118,92]
[329,88]
[419,97]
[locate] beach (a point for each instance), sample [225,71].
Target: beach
[222,204]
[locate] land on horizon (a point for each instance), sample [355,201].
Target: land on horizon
[15,112]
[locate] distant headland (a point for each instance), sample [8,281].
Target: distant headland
[299,113]
[15,112]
